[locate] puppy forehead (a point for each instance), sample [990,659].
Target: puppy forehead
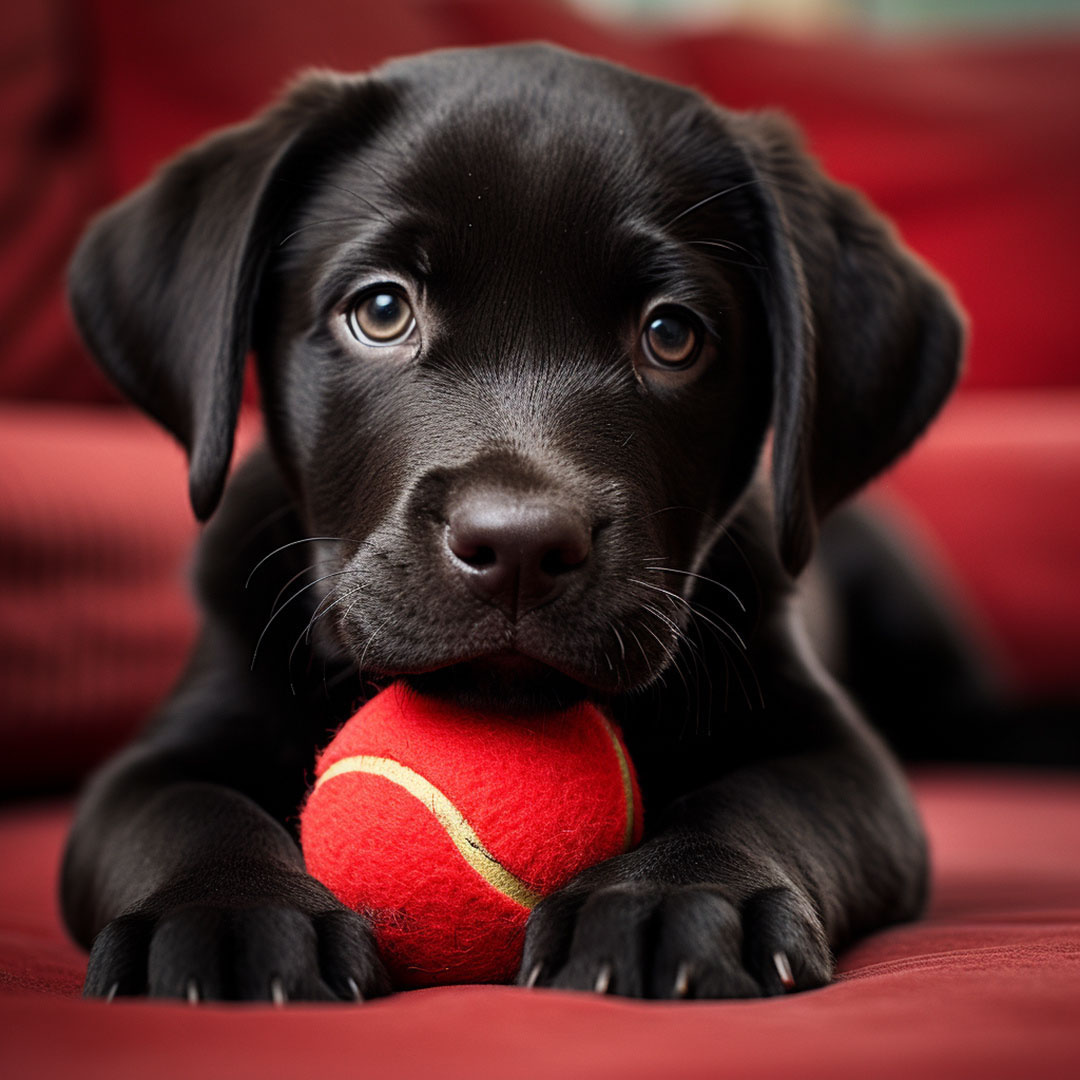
[476,159]
[572,166]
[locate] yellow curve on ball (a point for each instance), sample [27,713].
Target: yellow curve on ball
[627,784]
[457,826]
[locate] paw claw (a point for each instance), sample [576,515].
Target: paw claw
[682,981]
[603,980]
[783,969]
[534,974]
[354,989]
[277,991]
[111,992]
[191,992]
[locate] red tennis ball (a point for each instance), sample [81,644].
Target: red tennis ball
[445,827]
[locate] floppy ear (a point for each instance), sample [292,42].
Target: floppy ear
[163,284]
[866,341]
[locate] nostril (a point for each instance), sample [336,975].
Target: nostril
[469,542]
[475,555]
[564,558]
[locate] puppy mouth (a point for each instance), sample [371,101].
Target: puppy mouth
[509,680]
[522,672]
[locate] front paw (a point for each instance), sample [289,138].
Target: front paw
[271,951]
[649,940]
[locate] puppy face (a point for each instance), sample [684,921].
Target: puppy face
[502,367]
[523,323]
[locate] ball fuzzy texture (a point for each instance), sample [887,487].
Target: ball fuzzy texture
[445,827]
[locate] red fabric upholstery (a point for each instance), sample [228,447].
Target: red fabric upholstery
[987,987]
[995,488]
[51,179]
[95,614]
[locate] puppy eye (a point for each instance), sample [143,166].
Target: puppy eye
[381,316]
[672,338]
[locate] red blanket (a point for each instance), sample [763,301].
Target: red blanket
[987,987]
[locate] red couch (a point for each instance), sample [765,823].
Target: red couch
[972,147]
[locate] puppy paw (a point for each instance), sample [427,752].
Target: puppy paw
[270,952]
[647,940]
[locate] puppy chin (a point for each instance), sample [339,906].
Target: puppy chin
[505,682]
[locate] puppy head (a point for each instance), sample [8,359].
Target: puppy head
[523,323]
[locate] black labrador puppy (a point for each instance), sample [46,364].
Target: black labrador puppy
[561,368]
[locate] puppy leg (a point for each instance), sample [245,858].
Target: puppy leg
[746,886]
[184,884]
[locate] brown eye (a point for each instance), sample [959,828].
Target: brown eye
[672,338]
[382,316]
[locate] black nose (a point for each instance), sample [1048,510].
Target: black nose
[517,551]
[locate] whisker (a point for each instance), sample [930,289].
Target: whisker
[670,623]
[622,644]
[349,609]
[743,655]
[316,616]
[702,577]
[296,645]
[293,543]
[711,198]
[348,191]
[668,653]
[298,574]
[295,596]
[360,663]
[644,654]
[723,626]
[731,245]
[395,188]
[729,262]
[727,629]
[722,643]
[722,630]
[314,225]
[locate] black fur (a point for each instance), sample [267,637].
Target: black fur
[535,206]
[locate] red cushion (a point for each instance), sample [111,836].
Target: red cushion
[51,180]
[994,487]
[95,616]
[93,613]
[987,987]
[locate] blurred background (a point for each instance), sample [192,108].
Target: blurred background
[967,16]
[960,118]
